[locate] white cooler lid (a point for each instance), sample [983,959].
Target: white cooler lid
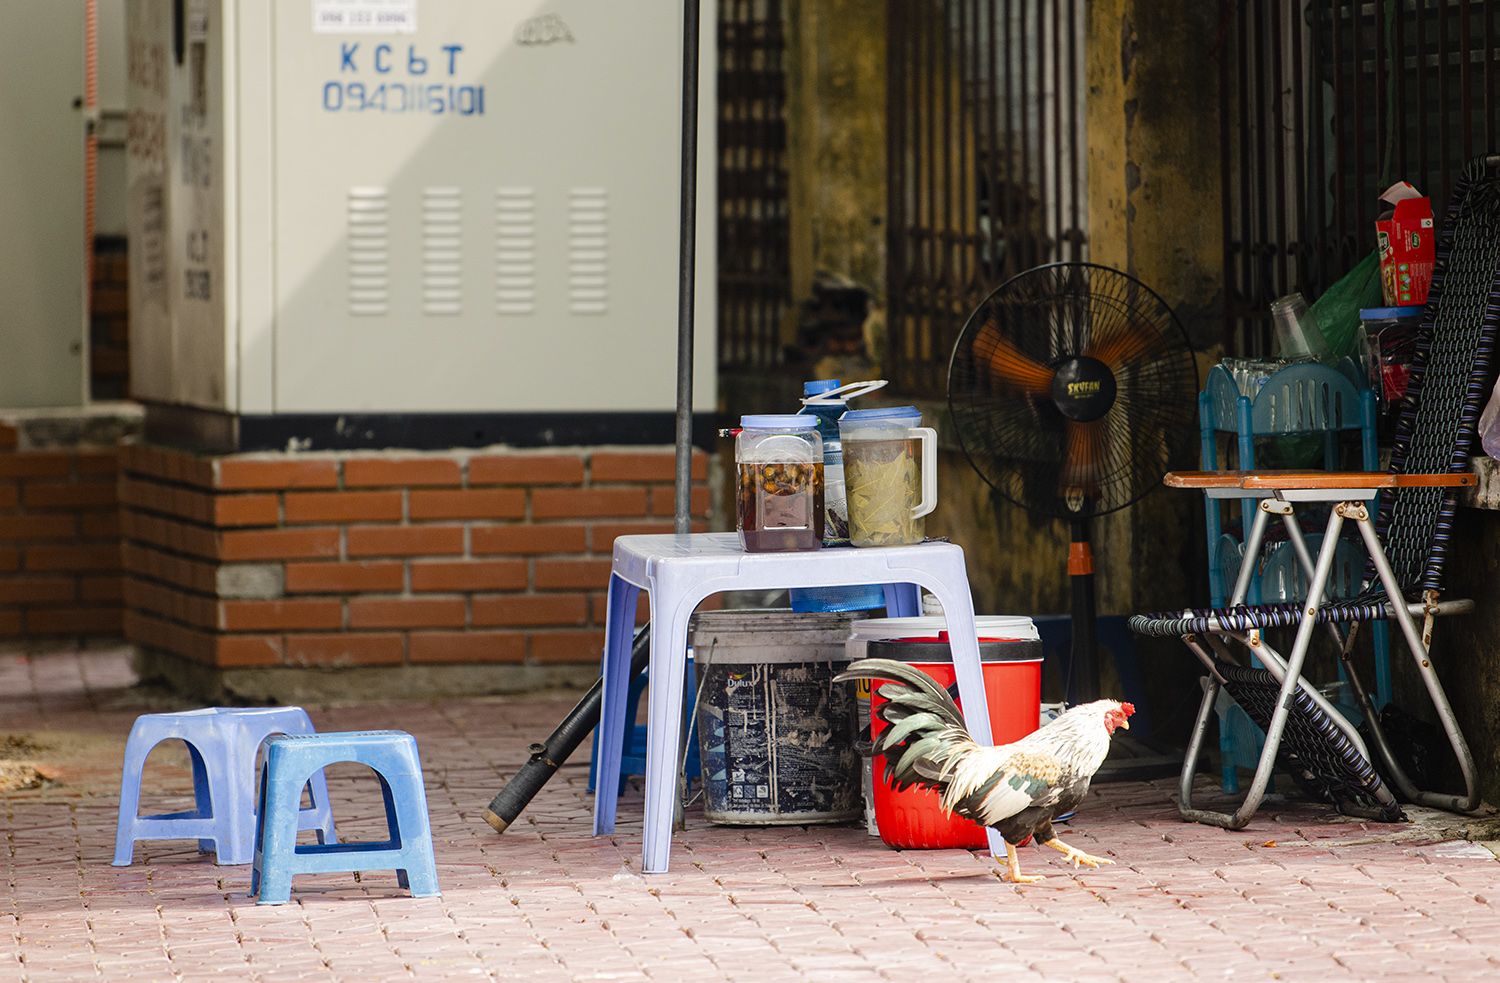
[989,625]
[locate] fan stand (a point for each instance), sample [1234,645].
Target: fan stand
[1131,758]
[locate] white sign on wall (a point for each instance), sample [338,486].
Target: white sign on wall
[364,16]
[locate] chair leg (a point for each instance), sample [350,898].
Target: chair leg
[669,638]
[1419,653]
[619,617]
[1195,747]
[1267,763]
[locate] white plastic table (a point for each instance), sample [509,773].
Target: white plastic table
[679,572]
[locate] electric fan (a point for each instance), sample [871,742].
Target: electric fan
[1073,390]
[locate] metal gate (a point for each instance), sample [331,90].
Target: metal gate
[754,234]
[985,125]
[1325,103]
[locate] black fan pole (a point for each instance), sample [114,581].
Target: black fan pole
[1085,671]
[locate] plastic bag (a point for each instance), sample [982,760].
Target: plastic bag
[1489,424]
[1337,310]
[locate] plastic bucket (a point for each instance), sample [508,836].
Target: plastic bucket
[1013,690]
[776,735]
[862,633]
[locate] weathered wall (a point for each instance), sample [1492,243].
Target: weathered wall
[836,141]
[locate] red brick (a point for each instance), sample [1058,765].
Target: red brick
[245,510]
[247,474]
[382,506]
[247,650]
[277,544]
[567,646]
[179,605]
[343,578]
[469,575]
[269,615]
[602,535]
[36,464]
[38,590]
[10,558]
[643,466]
[99,525]
[406,472]
[50,526]
[98,463]
[101,588]
[468,646]
[179,537]
[568,503]
[664,500]
[406,612]
[75,621]
[405,540]
[195,575]
[530,539]
[10,625]
[526,469]
[10,496]
[572,574]
[531,609]
[108,557]
[57,495]
[492,503]
[344,649]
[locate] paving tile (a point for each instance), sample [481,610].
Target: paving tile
[549,902]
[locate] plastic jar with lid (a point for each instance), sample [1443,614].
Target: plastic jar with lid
[779,501]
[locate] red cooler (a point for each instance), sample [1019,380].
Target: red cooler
[1013,688]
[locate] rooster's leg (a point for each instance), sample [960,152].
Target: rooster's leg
[1014,863]
[1076,855]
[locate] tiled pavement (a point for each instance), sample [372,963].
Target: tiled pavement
[1299,895]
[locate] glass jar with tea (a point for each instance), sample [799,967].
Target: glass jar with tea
[779,501]
[890,475]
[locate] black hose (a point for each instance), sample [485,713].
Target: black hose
[547,757]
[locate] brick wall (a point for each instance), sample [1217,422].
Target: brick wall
[368,559]
[60,560]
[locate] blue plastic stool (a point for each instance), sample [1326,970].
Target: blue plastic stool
[392,755]
[633,752]
[223,742]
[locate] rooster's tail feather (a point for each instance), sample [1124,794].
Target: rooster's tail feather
[925,725]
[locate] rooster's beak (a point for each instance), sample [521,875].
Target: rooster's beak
[1125,723]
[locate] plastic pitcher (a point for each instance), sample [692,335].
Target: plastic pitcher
[890,475]
[780,497]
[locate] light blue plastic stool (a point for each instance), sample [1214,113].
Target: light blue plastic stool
[392,755]
[222,742]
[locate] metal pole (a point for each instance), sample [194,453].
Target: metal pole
[687,257]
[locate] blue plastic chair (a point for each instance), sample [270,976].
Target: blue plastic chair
[392,755]
[222,742]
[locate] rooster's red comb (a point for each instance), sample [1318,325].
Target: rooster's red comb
[1128,708]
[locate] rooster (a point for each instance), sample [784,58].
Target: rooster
[1016,788]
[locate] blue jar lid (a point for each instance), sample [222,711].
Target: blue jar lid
[819,386]
[884,413]
[779,421]
[1383,313]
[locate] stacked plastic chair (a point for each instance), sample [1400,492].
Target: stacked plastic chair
[1408,540]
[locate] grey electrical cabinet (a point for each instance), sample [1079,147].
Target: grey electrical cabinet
[362,206]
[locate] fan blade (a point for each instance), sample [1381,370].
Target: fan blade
[1083,447]
[1008,365]
[1127,345]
